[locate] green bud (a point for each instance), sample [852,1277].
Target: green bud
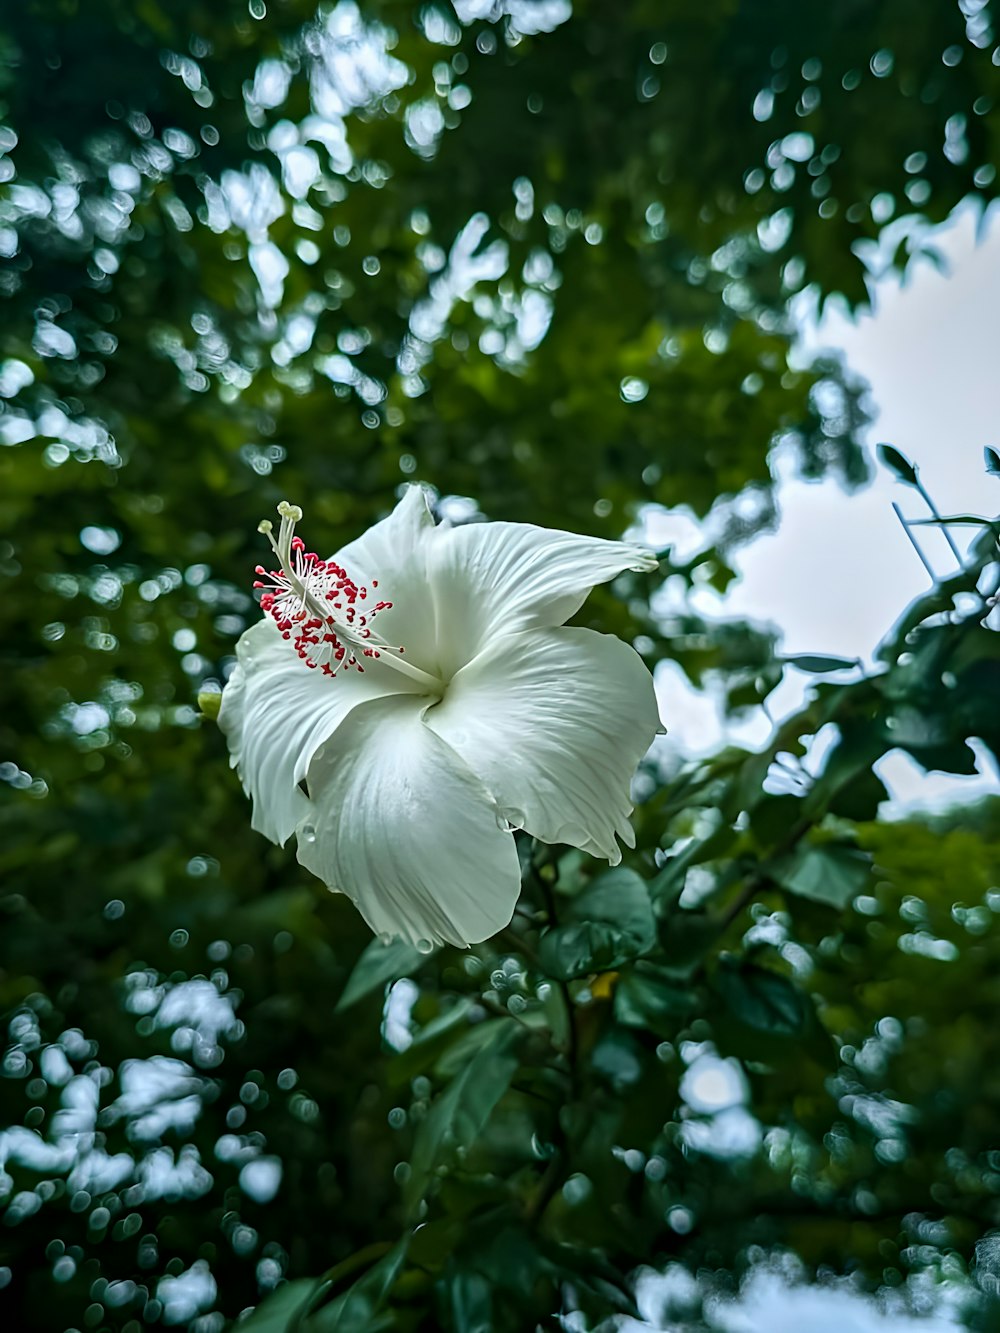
[209,701]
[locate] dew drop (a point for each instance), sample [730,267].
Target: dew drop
[179,938]
[307,833]
[424,946]
[515,818]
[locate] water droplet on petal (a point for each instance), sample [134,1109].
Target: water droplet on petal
[515,818]
[385,939]
[503,823]
[424,946]
[307,833]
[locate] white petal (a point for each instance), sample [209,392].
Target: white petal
[499,578]
[392,539]
[275,712]
[401,825]
[555,722]
[393,551]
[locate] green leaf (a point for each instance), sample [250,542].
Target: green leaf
[378,964]
[461,1111]
[848,763]
[686,937]
[762,999]
[992,458]
[898,463]
[353,1311]
[471,1300]
[954,520]
[279,1312]
[818,663]
[434,1038]
[612,922]
[859,799]
[831,874]
[668,884]
[773,817]
[649,997]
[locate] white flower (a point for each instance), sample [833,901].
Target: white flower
[402,758]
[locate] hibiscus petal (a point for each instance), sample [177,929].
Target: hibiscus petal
[400,824]
[276,712]
[393,552]
[554,722]
[499,578]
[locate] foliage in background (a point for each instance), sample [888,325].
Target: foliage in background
[539,257]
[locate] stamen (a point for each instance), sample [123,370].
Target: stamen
[318,607]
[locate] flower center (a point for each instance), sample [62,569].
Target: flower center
[318,607]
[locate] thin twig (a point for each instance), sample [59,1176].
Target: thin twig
[913,542]
[944,527]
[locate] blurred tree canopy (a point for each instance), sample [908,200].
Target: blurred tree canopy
[538,255]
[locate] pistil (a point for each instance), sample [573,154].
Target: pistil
[319,608]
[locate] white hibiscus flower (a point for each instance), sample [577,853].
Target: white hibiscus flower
[403,755]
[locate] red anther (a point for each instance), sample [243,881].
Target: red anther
[293,597]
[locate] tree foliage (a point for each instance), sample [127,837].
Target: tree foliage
[538,257]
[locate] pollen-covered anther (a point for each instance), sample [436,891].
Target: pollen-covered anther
[312,601]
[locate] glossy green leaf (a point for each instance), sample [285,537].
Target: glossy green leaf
[649,997]
[955,520]
[897,463]
[610,923]
[471,1302]
[819,664]
[355,1310]
[829,874]
[762,999]
[279,1312]
[459,1113]
[379,964]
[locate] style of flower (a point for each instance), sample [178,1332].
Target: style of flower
[403,753]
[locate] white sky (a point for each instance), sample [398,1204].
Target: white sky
[840,570]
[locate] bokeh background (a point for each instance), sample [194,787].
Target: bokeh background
[563,263]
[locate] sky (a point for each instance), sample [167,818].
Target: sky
[839,570]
